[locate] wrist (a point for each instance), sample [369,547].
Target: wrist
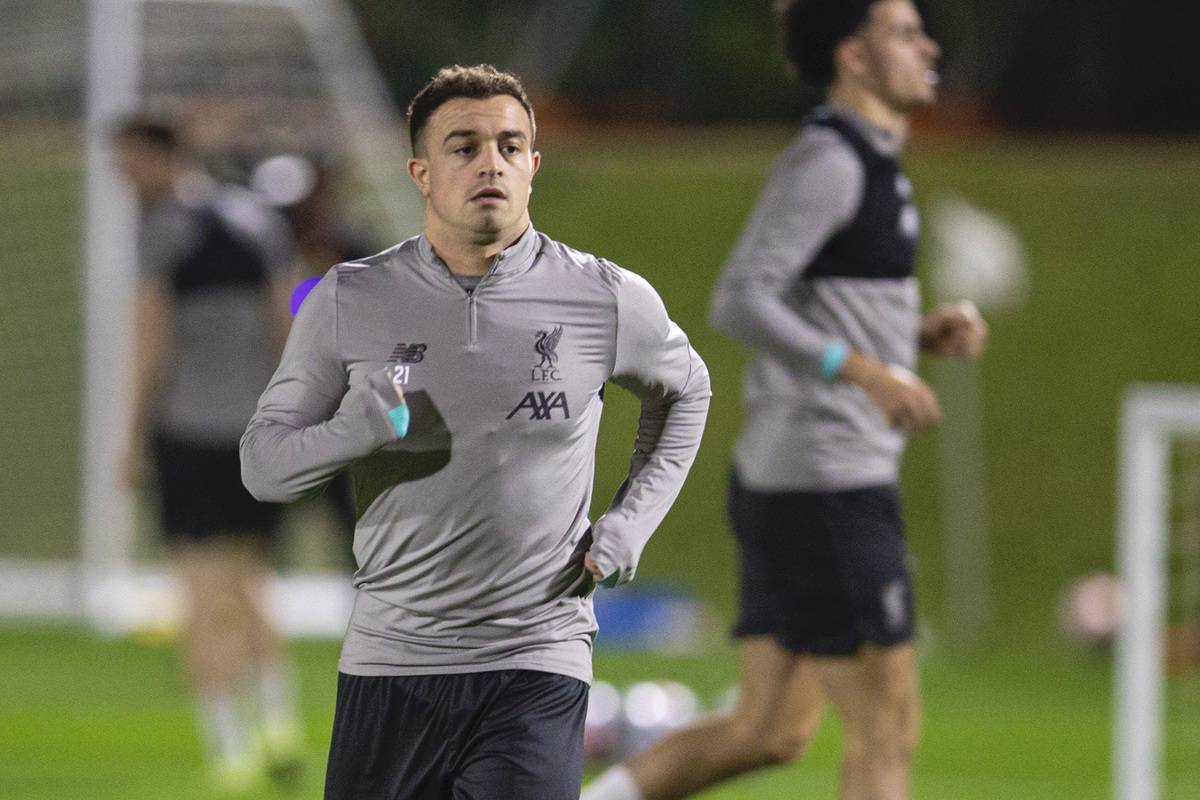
[398,416]
[387,402]
[833,361]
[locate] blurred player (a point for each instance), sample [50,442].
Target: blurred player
[304,190]
[821,287]
[459,377]
[206,333]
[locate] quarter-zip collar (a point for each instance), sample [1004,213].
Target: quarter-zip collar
[515,258]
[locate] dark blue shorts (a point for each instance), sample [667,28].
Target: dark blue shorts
[823,572]
[477,736]
[201,493]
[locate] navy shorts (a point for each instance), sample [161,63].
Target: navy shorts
[823,572]
[475,736]
[201,493]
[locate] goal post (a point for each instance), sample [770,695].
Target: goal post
[106,513]
[301,71]
[117,593]
[1152,416]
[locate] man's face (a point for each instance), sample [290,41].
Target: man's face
[475,167]
[899,59]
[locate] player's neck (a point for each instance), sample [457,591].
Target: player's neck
[871,107]
[465,255]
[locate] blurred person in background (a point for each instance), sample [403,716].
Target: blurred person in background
[210,314]
[821,288]
[459,376]
[317,216]
[304,189]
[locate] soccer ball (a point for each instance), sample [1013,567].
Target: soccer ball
[1090,609]
[654,709]
[604,723]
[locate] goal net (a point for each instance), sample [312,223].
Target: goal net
[1157,675]
[263,77]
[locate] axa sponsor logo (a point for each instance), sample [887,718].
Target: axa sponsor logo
[542,405]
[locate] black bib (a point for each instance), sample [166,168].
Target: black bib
[220,259]
[881,240]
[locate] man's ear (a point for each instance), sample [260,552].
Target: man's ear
[537,163]
[850,57]
[418,170]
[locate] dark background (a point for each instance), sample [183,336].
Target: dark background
[1066,65]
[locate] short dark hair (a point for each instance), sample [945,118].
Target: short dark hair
[477,83]
[157,132]
[812,30]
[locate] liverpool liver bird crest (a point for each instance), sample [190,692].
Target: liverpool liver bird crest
[547,346]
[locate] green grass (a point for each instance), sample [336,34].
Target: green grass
[109,720]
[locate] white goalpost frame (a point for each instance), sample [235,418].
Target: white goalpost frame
[106,523]
[106,587]
[1150,416]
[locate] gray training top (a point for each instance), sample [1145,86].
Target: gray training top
[216,251]
[802,432]
[472,528]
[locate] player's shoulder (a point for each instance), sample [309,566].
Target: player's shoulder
[821,148]
[374,265]
[631,297]
[358,277]
[588,267]
[818,164]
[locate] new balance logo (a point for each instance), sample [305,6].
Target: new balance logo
[541,405]
[407,353]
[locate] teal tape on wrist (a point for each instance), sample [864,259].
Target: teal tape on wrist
[399,418]
[832,359]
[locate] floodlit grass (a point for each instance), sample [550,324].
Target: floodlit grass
[109,720]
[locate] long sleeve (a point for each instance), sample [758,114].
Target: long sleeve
[656,363]
[310,423]
[814,190]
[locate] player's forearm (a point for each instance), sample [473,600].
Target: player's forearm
[758,318]
[668,437]
[283,460]
[862,370]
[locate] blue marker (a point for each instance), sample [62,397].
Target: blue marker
[301,291]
